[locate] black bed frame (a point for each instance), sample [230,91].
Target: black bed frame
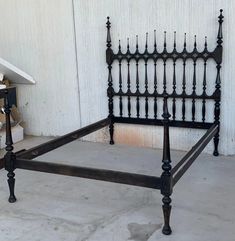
[170,176]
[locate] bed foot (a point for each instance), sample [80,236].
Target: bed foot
[166,207]
[10,167]
[216,143]
[11,184]
[10,156]
[111,142]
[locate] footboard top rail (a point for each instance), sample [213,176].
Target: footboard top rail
[134,179]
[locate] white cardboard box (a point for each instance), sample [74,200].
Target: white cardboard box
[17,135]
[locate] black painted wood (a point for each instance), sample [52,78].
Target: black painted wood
[204,93]
[218,84]
[120,89]
[2,163]
[166,177]
[155,88]
[90,173]
[174,90]
[110,81]
[9,95]
[214,96]
[2,160]
[65,139]
[158,122]
[155,96]
[9,157]
[210,132]
[193,154]
[194,84]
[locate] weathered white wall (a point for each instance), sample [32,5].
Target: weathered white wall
[38,36]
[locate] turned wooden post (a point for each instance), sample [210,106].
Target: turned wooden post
[218,83]
[166,177]
[110,90]
[9,156]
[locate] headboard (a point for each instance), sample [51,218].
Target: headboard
[133,98]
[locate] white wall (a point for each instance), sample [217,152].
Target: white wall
[38,36]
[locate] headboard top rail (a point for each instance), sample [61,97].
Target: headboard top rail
[205,54]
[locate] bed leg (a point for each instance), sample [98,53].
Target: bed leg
[11,184]
[9,157]
[166,191]
[111,131]
[216,143]
[9,166]
[166,207]
[166,177]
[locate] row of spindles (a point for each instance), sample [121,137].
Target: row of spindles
[164,81]
[175,105]
[164,90]
[164,86]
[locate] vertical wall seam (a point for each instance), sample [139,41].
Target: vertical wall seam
[76,59]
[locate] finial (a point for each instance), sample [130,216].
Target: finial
[205,42]
[184,40]
[146,44]
[108,25]
[119,45]
[195,42]
[220,34]
[155,40]
[137,42]
[128,44]
[174,40]
[164,40]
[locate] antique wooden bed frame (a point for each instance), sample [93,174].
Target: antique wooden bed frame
[170,176]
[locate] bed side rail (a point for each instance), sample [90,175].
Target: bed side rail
[58,142]
[62,140]
[183,165]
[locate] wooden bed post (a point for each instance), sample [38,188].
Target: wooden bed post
[166,177]
[218,83]
[9,156]
[110,91]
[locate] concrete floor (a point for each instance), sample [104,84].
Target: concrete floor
[56,208]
